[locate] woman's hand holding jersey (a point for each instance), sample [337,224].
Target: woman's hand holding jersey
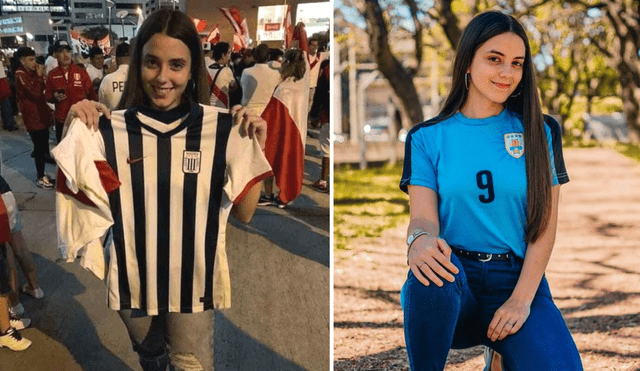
[251,124]
[429,257]
[88,111]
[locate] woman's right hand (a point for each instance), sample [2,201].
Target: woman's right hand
[89,112]
[430,260]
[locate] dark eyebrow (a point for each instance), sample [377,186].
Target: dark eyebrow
[501,54]
[151,56]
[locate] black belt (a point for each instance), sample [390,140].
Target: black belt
[480,256]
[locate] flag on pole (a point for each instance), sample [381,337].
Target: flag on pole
[238,45]
[300,34]
[214,35]
[286,117]
[201,24]
[240,27]
[288,28]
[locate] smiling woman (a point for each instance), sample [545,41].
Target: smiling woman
[483,179]
[161,177]
[165,71]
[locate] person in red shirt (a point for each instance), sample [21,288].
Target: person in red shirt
[67,84]
[30,85]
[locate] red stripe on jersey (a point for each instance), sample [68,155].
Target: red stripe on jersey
[108,179]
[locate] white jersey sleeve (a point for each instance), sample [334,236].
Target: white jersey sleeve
[80,226]
[246,165]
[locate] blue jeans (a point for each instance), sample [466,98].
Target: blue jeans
[171,341]
[458,314]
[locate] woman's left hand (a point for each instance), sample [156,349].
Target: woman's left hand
[508,319]
[89,112]
[251,124]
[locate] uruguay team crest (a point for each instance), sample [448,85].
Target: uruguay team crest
[191,162]
[514,144]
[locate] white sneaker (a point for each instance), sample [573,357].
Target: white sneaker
[13,340]
[19,323]
[37,293]
[17,310]
[44,183]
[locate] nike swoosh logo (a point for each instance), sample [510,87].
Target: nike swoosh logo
[134,160]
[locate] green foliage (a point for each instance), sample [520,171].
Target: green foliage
[367,202]
[629,150]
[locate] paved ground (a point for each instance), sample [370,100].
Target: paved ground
[594,274]
[279,262]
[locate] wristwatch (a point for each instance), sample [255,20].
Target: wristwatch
[417,233]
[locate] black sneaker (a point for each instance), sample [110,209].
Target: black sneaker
[265,200]
[279,203]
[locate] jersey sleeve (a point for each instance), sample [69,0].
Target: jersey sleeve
[79,225]
[554,139]
[246,165]
[419,167]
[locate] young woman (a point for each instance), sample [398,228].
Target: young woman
[163,175]
[285,148]
[483,179]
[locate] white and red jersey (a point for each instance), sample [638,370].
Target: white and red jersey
[222,81]
[179,178]
[314,67]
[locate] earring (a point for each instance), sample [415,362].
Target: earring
[515,95]
[466,80]
[191,86]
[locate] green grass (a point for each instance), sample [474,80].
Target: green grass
[629,150]
[367,202]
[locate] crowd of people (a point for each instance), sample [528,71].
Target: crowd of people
[180,88]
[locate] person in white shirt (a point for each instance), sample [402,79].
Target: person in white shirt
[258,82]
[206,49]
[51,62]
[275,59]
[224,82]
[112,85]
[314,58]
[94,69]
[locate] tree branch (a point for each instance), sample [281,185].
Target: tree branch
[417,36]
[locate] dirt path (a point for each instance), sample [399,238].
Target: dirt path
[594,275]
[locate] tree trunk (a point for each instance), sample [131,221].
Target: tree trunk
[399,78]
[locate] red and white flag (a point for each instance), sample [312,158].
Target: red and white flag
[238,45]
[287,26]
[300,35]
[201,24]
[214,36]
[240,27]
[286,117]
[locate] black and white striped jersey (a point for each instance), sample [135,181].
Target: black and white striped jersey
[179,179]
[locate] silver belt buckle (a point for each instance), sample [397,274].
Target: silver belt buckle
[487,259]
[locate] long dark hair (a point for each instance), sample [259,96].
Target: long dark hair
[174,24]
[293,65]
[526,103]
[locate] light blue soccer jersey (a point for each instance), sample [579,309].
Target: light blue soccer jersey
[477,167]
